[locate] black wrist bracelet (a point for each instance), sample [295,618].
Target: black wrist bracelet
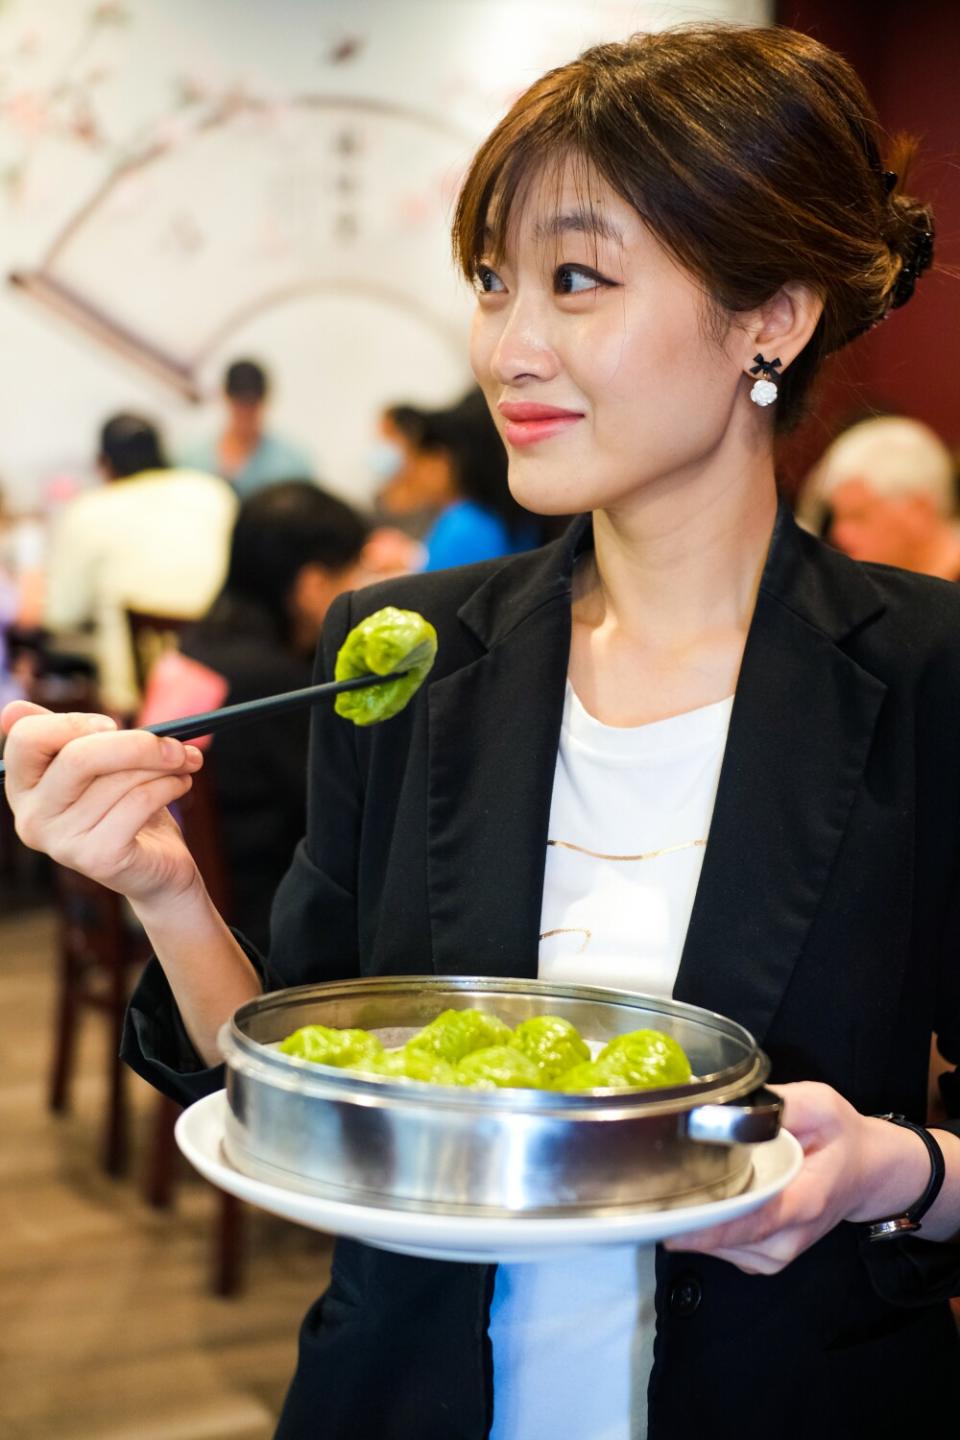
[909,1221]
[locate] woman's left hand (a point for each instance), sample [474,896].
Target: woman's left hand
[841,1179]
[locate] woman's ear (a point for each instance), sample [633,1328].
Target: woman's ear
[781,326]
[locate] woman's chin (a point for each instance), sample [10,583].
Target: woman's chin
[549,493]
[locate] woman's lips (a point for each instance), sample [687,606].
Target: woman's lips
[526,423]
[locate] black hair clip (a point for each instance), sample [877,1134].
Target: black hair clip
[922,257]
[918,259]
[889,178]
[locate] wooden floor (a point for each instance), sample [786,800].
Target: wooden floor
[107,1328]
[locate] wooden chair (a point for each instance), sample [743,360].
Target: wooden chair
[150,636]
[100,946]
[100,949]
[199,820]
[8,837]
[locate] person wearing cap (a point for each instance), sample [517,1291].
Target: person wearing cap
[889,487]
[244,452]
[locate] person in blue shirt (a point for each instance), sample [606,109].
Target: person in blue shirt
[244,453]
[480,520]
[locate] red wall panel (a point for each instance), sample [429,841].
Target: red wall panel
[909,58]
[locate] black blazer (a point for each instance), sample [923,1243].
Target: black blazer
[826,921]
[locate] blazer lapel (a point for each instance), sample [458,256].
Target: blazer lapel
[494,729]
[800,732]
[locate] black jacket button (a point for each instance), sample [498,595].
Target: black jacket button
[685,1295]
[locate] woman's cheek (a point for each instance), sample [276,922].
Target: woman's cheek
[481,347]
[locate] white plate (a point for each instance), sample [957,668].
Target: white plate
[200,1131]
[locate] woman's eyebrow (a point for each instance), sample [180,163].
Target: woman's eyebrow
[581,222]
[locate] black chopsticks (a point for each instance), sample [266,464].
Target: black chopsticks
[189,726]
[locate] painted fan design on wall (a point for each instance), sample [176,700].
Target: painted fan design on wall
[255,205]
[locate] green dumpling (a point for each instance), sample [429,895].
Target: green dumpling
[409,1065]
[646,1059]
[390,639]
[325,1046]
[455,1033]
[421,1065]
[499,1067]
[588,1075]
[384,1062]
[551,1043]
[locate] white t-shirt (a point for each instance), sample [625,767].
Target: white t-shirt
[573,1340]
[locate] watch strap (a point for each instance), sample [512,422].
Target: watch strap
[909,1221]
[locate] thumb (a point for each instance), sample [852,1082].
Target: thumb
[808,1108]
[16,710]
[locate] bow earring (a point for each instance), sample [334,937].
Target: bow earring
[764,391]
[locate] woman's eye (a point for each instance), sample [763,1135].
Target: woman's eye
[487,281]
[577,280]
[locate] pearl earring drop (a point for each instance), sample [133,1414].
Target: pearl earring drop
[764,391]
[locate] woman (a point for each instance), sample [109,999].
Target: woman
[652,230]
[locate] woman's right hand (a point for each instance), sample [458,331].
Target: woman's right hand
[94,797]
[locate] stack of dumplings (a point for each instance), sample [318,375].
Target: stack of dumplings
[474,1049]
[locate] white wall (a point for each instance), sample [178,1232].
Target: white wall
[213,178]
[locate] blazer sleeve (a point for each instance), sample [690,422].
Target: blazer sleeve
[912,1271]
[313,929]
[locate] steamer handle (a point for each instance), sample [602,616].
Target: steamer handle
[745,1122]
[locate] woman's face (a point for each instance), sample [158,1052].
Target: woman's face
[588,317]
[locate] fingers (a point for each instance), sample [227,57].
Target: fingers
[773,1235]
[761,1254]
[78,809]
[107,852]
[15,710]
[36,737]
[810,1110]
[97,805]
[60,756]
[748,1229]
[752,1262]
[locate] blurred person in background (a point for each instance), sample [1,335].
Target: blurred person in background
[294,549]
[10,686]
[151,538]
[479,518]
[414,479]
[22,552]
[244,452]
[402,508]
[449,468]
[21,594]
[888,485]
[455,467]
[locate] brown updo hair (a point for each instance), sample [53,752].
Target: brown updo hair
[754,155]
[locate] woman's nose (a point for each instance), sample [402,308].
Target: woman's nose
[524,347]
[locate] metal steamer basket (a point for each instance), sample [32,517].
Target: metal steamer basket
[403,1145]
